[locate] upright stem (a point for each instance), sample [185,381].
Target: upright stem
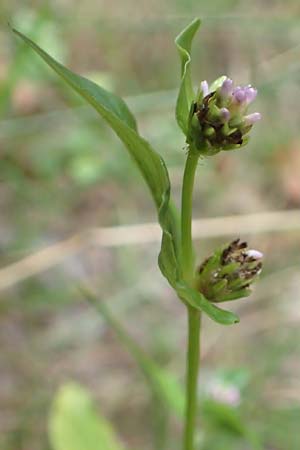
[193,359]
[194,315]
[187,253]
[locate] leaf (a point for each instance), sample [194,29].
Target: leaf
[116,113]
[167,259]
[162,382]
[197,300]
[74,423]
[186,93]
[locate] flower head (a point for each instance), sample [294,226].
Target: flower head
[219,119]
[229,272]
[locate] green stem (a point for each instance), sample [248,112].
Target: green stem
[187,253]
[194,315]
[193,359]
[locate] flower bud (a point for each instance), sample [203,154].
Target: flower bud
[250,94]
[229,272]
[239,96]
[204,88]
[255,254]
[209,132]
[226,89]
[225,111]
[224,114]
[250,119]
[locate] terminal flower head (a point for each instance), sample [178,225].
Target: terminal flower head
[229,272]
[219,119]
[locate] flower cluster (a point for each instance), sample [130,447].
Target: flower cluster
[229,272]
[218,118]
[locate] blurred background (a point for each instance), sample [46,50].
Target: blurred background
[63,173]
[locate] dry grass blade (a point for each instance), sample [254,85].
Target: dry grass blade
[37,262]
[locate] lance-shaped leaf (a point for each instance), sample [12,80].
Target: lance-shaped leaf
[116,113]
[75,424]
[186,93]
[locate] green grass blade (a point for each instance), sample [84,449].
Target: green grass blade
[162,382]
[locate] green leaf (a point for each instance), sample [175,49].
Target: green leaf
[162,382]
[74,423]
[168,259]
[186,93]
[116,113]
[197,300]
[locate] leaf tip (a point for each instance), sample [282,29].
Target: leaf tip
[195,24]
[197,21]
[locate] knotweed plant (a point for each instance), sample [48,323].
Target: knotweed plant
[213,118]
